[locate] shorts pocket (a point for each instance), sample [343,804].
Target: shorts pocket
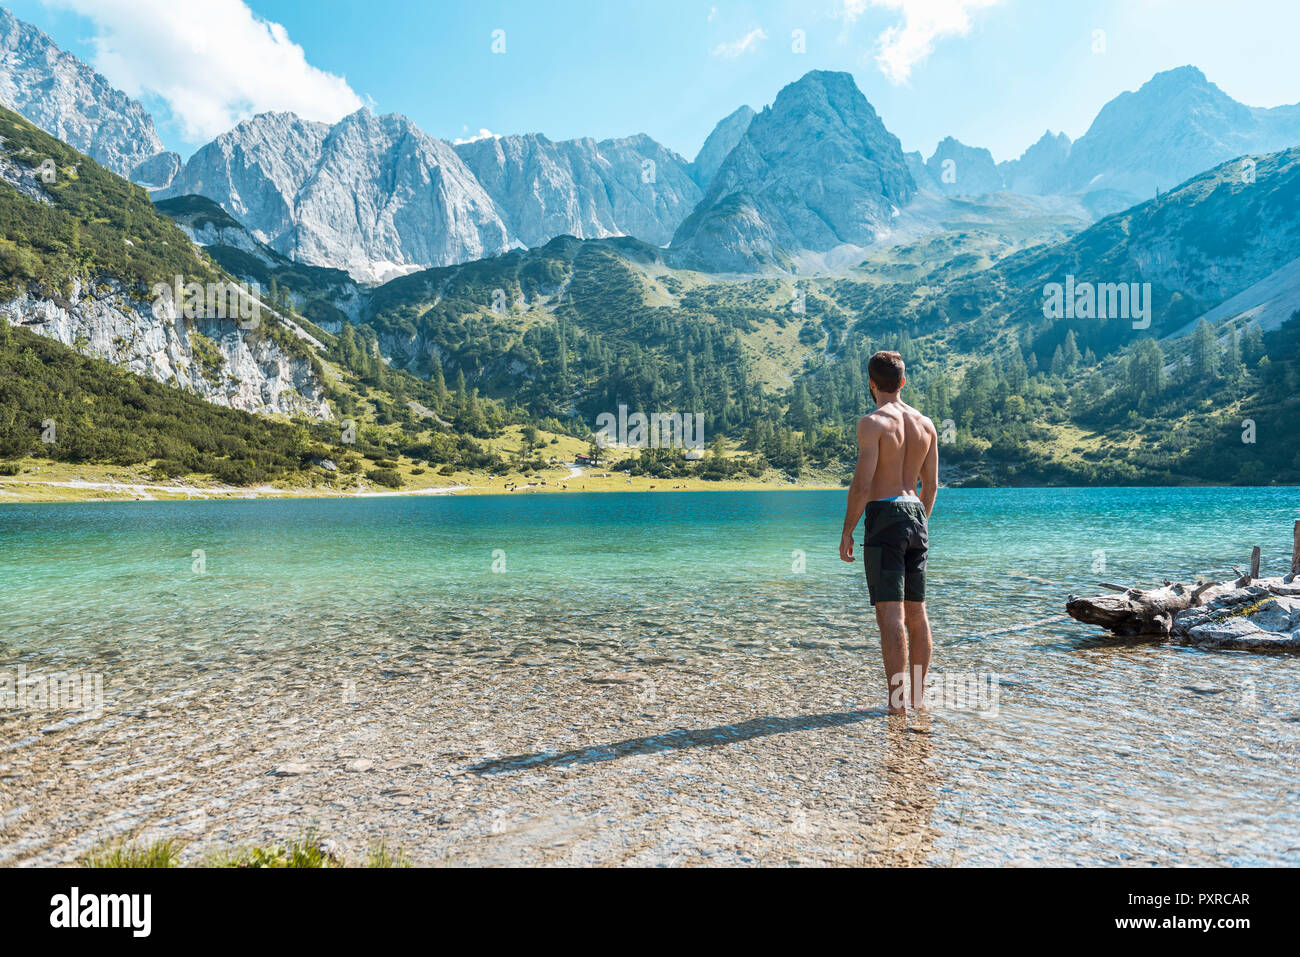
[871,558]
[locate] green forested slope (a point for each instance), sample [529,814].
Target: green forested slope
[780,363]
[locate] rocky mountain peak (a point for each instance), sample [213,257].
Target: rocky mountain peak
[814,171]
[69,100]
[961,170]
[719,143]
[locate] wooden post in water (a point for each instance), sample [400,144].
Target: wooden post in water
[1254,562]
[1295,551]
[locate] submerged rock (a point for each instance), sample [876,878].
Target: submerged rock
[1262,616]
[1280,614]
[1220,631]
[290,770]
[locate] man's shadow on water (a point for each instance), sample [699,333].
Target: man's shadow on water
[676,740]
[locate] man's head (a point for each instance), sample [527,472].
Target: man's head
[885,371]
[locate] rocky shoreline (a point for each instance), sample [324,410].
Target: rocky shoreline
[478,766]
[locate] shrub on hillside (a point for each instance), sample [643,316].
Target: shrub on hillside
[387,477]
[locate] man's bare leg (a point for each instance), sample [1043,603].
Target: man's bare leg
[919,646]
[893,645]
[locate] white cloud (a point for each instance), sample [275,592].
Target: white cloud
[713,14]
[213,62]
[482,134]
[903,46]
[742,46]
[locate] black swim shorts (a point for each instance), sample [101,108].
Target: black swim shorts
[894,550]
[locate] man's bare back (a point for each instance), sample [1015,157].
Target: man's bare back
[905,441]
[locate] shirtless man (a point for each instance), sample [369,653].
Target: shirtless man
[897,445]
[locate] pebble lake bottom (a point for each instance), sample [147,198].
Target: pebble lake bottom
[634,679]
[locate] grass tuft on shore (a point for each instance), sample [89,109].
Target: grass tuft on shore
[305,851]
[129,854]
[383,856]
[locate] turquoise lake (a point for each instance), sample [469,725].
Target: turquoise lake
[1103,750]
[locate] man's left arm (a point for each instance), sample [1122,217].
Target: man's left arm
[860,487]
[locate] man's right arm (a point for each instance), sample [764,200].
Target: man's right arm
[930,470]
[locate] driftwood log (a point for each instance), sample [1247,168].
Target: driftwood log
[1138,612]
[1153,611]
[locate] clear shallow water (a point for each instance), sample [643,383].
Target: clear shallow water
[1101,750]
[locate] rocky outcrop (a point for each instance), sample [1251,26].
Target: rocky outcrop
[372,194]
[650,188]
[814,171]
[209,232]
[255,171]
[1175,126]
[385,198]
[210,226]
[211,358]
[920,172]
[535,184]
[69,100]
[1262,616]
[377,196]
[24,178]
[158,171]
[582,188]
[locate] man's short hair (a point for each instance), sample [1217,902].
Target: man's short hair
[886,371]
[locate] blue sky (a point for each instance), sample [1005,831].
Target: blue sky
[993,73]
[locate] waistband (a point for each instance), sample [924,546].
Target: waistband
[910,508]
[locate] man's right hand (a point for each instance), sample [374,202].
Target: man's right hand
[846,547]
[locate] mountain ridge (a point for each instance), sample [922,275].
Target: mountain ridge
[378,196]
